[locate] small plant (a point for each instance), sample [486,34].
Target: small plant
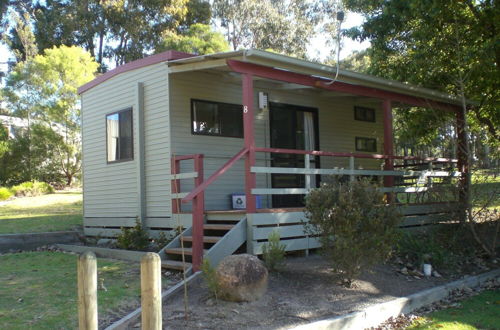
[273,252]
[210,277]
[135,238]
[356,229]
[5,193]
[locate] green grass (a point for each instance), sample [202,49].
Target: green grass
[53,212]
[39,289]
[478,312]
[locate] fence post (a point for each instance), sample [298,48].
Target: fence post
[151,292]
[429,177]
[307,165]
[351,167]
[87,291]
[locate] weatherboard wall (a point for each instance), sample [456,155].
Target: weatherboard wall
[111,189]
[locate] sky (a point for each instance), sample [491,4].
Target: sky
[317,48]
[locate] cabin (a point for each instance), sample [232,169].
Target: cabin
[223,148]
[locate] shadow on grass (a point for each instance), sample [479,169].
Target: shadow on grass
[40,224]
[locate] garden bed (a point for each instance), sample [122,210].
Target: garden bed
[305,291]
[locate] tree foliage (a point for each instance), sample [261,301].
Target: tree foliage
[285,26]
[111,31]
[43,90]
[444,45]
[199,39]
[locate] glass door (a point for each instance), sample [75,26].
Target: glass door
[292,127]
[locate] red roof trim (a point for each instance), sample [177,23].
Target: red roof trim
[169,55]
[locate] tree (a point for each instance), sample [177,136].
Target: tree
[286,26]
[199,39]
[44,89]
[452,46]
[118,31]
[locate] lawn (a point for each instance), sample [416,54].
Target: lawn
[53,212]
[478,312]
[39,289]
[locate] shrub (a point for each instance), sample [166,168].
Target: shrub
[162,240]
[32,189]
[273,252]
[356,229]
[209,274]
[135,238]
[420,248]
[5,193]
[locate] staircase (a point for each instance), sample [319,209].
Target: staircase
[223,234]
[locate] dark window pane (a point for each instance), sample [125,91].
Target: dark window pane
[366,144]
[212,118]
[364,114]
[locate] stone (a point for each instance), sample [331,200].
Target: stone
[436,274]
[241,277]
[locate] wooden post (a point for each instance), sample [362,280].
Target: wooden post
[388,146]
[87,291]
[351,168]
[429,178]
[307,165]
[249,139]
[462,164]
[175,184]
[151,292]
[198,216]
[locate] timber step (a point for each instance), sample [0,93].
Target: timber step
[187,251]
[206,239]
[210,226]
[172,264]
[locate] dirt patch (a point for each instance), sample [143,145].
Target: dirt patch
[305,291]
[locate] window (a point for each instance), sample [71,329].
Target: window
[214,118]
[364,114]
[119,136]
[366,144]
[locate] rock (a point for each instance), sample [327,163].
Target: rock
[241,277]
[404,271]
[210,302]
[104,242]
[436,274]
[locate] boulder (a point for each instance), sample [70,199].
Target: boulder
[241,277]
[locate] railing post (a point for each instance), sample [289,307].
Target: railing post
[175,164]
[198,216]
[351,168]
[429,177]
[249,139]
[87,291]
[151,292]
[307,165]
[388,146]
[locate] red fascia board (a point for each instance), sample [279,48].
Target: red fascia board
[169,55]
[306,80]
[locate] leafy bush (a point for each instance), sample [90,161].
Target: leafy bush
[210,278]
[273,252]
[356,229]
[5,193]
[135,238]
[162,240]
[32,189]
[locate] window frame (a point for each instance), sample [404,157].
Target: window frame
[357,138]
[214,134]
[132,135]
[357,117]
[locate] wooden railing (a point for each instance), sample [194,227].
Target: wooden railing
[198,201]
[196,196]
[425,175]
